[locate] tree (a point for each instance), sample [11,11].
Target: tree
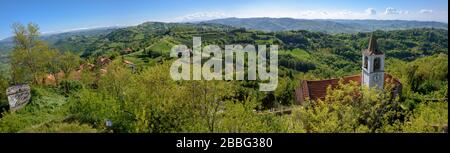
[68,62]
[3,86]
[52,65]
[29,55]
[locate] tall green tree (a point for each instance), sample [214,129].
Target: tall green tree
[62,63]
[29,55]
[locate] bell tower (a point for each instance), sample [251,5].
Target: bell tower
[373,65]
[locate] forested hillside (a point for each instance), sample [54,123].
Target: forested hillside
[135,92]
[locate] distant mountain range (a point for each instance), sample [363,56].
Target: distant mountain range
[325,25]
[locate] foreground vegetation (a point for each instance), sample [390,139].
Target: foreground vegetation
[146,99]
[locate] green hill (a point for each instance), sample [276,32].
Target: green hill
[328,25]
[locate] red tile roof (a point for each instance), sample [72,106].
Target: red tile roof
[317,89]
[50,79]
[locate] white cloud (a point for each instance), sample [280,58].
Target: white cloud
[371,11]
[314,14]
[425,11]
[335,14]
[200,16]
[345,12]
[391,10]
[307,13]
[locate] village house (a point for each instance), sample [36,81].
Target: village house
[102,62]
[50,79]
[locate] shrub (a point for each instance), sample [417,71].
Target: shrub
[60,128]
[70,86]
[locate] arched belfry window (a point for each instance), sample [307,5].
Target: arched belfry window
[365,61]
[376,64]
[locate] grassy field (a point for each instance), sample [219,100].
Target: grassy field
[299,53]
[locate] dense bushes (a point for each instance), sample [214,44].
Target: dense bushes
[69,86]
[152,102]
[45,106]
[291,62]
[3,85]
[424,76]
[60,128]
[427,117]
[340,111]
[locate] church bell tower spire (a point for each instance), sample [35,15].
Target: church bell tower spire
[373,65]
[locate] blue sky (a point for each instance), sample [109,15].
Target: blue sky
[65,15]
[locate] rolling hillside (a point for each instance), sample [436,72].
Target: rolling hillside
[60,40]
[136,93]
[328,26]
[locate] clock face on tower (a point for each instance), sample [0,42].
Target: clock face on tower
[376,77]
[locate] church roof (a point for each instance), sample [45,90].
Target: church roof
[373,46]
[317,89]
